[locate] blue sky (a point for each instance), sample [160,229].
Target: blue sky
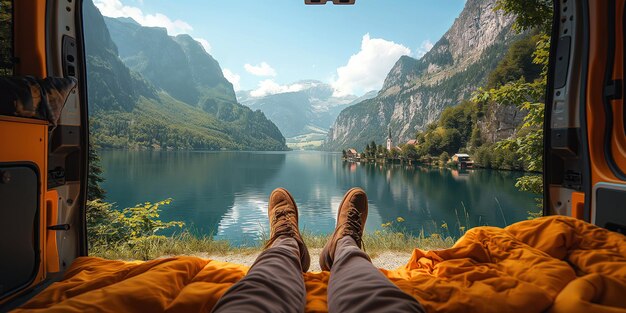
[268,45]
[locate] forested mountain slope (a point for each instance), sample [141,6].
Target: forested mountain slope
[173,96]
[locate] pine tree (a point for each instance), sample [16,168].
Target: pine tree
[373,149]
[94,178]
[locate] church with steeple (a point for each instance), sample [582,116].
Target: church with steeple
[389,140]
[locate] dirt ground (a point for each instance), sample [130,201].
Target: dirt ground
[387,260]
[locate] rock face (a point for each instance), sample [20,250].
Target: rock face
[115,88]
[178,65]
[416,91]
[500,122]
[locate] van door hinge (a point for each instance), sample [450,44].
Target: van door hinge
[59,227]
[613,89]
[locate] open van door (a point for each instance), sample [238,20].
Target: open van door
[43,152]
[585,128]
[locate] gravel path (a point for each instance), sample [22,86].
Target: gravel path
[387,260]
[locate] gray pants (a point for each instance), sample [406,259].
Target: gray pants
[275,284]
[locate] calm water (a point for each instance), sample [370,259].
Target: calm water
[225,193]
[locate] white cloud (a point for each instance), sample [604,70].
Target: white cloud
[367,69]
[115,8]
[232,78]
[270,87]
[205,44]
[262,69]
[424,48]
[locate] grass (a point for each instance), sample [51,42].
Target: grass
[186,243]
[146,246]
[387,241]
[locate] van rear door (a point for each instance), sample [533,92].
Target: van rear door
[42,168]
[585,128]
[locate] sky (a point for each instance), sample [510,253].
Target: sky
[267,46]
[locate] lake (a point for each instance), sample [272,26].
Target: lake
[225,194]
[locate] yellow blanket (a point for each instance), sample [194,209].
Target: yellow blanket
[554,264]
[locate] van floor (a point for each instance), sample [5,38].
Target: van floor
[387,260]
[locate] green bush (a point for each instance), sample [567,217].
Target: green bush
[107,226]
[444,157]
[499,157]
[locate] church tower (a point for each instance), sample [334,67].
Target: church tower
[389,140]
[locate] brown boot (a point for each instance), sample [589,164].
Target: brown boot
[283,214]
[350,222]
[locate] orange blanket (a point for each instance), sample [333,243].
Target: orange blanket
[554,264]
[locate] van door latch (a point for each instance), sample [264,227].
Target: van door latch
[59,227]
[613,89]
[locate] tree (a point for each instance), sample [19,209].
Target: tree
[409,152]
[372,149]
[444,157]
[532,14]
[137,227]
[6,37]
[518,62]
[529,14]
[476,138]
[382,151]
[344,154]
[94,177]
[394,153]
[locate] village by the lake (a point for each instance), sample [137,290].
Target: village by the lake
[405,153]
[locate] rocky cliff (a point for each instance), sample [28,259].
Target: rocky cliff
[112,86]
[178,65]
[416,91]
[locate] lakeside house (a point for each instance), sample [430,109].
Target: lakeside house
[352,154]
[412,142]
[463,160]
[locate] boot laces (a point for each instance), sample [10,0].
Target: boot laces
[283,222]
[353,225]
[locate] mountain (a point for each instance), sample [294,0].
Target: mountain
[310,110]
[178,65]
[112,86]
[150,90]
[415,92]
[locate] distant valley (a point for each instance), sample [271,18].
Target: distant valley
[304,116]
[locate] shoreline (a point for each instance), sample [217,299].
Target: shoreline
[389,260]
[387,249]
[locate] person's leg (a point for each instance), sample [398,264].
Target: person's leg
[274,282]
[357,286]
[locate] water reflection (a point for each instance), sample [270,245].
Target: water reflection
[225,193]
[427,197]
